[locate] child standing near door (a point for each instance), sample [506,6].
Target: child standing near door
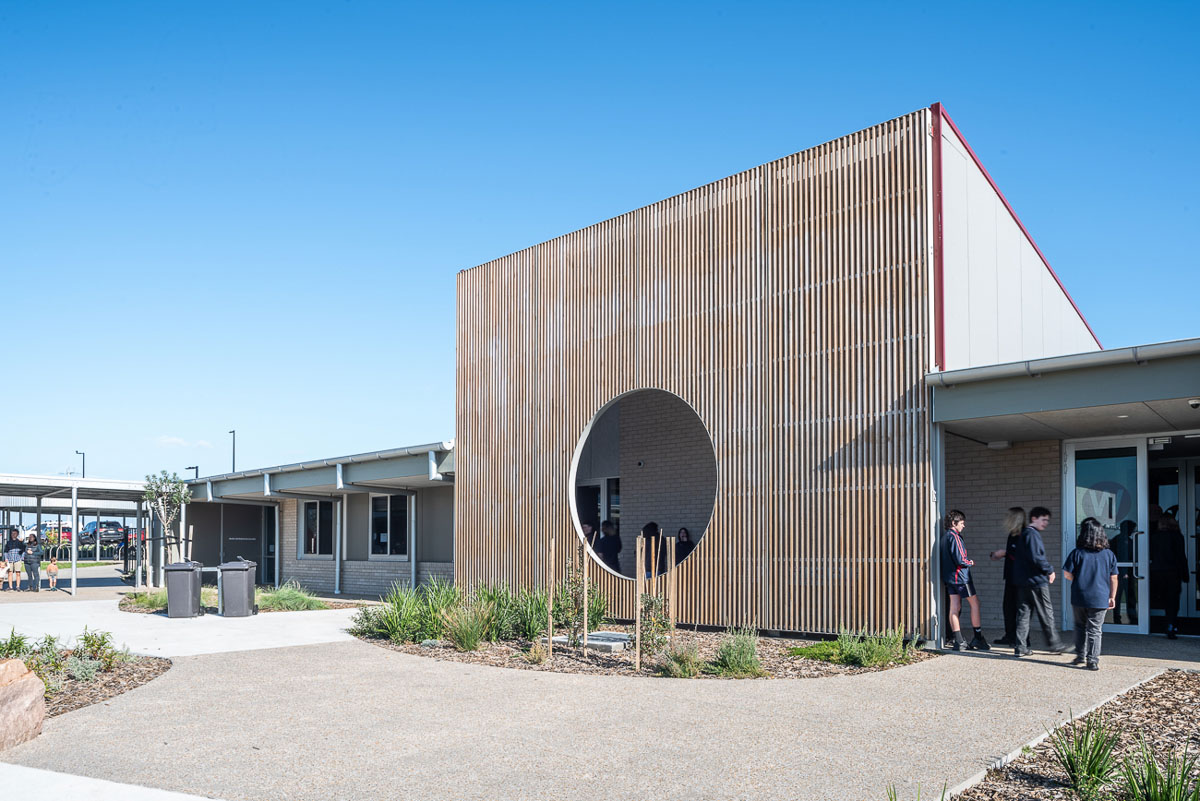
[1092,570]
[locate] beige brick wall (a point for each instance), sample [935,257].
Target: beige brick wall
[983,484]
[360,577]
[676,483]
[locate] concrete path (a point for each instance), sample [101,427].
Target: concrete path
[93,584]
[352,720]
[158,635]
[36,783]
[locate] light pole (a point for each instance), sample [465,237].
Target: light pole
[233,469]
[195,468]
[84,455]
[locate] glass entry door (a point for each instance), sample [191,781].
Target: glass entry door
[1107,480]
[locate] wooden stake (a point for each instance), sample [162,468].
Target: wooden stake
[550,602]
[670,581]
[639,579]
[583,554]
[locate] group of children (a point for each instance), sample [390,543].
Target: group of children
[1091,568]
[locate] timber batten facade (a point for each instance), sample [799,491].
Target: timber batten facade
[790,306]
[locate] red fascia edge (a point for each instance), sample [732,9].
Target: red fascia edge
[939,302]
[940,112]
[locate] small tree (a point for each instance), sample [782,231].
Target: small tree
[166,495]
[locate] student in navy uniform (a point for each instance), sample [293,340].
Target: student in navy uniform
[956,575]
[609,546]
[1014,524]
[1033,574]
[1092,570]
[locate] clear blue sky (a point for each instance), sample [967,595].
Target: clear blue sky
[250,215]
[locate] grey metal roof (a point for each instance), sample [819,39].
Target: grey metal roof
[446,446]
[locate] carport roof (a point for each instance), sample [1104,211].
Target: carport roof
[95,489]
[1119,392]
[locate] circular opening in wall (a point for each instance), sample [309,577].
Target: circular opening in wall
[644,463]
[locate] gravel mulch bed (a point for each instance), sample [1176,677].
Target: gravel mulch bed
[123,678]
[1165,711]
[772,653]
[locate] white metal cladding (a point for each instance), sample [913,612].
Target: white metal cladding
[1002,303]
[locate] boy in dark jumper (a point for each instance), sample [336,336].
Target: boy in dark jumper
[956,575]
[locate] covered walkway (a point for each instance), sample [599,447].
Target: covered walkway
[78,498]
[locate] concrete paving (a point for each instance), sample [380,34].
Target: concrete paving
[93,584]
[350,720]
[158,635]
[80,788]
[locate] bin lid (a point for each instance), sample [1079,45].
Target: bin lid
[240,564]
[183,566]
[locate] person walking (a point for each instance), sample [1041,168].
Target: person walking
[1014,524]
[956,576]
[13,552]
[33,563]
[609,547]
[1033,574]
[1092,570]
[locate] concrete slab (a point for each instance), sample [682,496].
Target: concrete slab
[295,723]
[158,635]
[36,782]
[605,642]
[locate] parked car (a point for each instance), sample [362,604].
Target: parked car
[111,533]
[52,533]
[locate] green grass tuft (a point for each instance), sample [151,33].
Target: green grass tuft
[737,656]
[1085,753]
[290,597]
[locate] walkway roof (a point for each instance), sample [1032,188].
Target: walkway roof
[1119,392]
[381,471]
[106,497]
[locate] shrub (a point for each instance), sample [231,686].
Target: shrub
[367,622]
[289,597]
[536,654]
[436,597]
[467,624]
[737,655]
[402,616]
[503,620]
[1085,753]
[15,647]
[655,625]
[680,662]
[97,645]
[82,668]
[597,608]
[825,651]
[529,614]
[1147,780]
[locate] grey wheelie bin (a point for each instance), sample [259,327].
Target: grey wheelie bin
[237,588]
[183,589]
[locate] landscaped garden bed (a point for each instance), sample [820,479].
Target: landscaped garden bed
[497,627]
[1143,731]
[91,672]
[289,597]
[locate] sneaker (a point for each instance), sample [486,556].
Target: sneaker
[1020,652]
[957,645]
[979,643]
[1172,633]
[1060,648]
[1005,640]
[1078,660]
[1093,666]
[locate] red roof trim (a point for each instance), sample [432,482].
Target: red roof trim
[938,107]
[939,262]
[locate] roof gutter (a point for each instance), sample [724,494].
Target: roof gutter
[1057,364]
[373,456]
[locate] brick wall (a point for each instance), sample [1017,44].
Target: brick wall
[983,484]
[677,481]
[359,577]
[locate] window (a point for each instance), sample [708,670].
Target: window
[318,528]
[389,525]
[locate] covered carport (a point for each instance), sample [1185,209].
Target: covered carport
[77,499]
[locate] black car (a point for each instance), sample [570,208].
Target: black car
[111,533]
